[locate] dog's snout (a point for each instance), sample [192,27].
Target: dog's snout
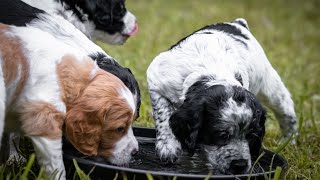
[238,166]
[134,152]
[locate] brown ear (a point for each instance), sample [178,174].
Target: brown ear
[83,132]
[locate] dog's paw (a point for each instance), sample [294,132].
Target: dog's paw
[168,150]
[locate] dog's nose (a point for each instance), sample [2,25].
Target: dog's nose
[238,166]
[134,152]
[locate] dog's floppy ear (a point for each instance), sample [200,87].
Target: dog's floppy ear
[82,131]
[186,122]
[257,131]
[85,116]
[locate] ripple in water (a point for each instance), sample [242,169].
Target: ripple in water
[147,159]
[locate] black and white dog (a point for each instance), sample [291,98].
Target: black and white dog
[106,20]
[203,93]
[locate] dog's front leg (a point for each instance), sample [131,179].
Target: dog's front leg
[49,155]
[280,101]
[167,146]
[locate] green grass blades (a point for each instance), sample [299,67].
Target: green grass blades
[287,30]
[277,173]
[79,173]
[27,169]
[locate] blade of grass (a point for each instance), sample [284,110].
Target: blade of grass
[2,169]
[115,177]
[27,169]
[312,116]
[8,177]
[284,144]
[40,174]
[259,157]
[264,173]
[301,117]
[271,165]
[79,172]
[277,173]
[208,176]
[124,176]
[91,171]
[279,149]
[149,176]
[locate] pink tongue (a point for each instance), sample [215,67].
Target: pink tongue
[135,30]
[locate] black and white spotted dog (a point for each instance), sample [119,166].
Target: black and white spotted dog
[203,92]
[106,20]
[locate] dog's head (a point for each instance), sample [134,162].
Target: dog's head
[227,121]
[98,122]
[124,74]
[113,23]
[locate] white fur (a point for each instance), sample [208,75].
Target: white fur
[125,92]
[38,88]
[42,85]
[215,54]
[238,149]
[49,6]
[49,154]
[235,113]
[171,146]
[43,54]
[60,9]
[123,148]
[120,37]
[130,21]
[2,101]
[66,32]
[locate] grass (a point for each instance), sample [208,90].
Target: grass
[288,30]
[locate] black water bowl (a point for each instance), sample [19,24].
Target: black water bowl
[146,162]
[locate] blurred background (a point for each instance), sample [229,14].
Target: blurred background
[288,30]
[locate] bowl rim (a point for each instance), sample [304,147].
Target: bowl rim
[151,132]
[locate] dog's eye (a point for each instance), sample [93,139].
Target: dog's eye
[120,130]
[224,136]
[103,19]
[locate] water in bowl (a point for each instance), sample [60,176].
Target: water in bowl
[147,159]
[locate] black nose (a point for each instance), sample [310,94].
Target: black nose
[238,166]
[134,152]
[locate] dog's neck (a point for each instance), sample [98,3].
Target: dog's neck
[79,20]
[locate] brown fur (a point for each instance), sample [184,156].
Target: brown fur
[74,77]
[12,58]
[95,109]
[41,119]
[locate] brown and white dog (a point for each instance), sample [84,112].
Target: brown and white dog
[49,88]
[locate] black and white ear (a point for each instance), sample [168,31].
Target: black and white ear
[187,121]
[242,22]
[257,131]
